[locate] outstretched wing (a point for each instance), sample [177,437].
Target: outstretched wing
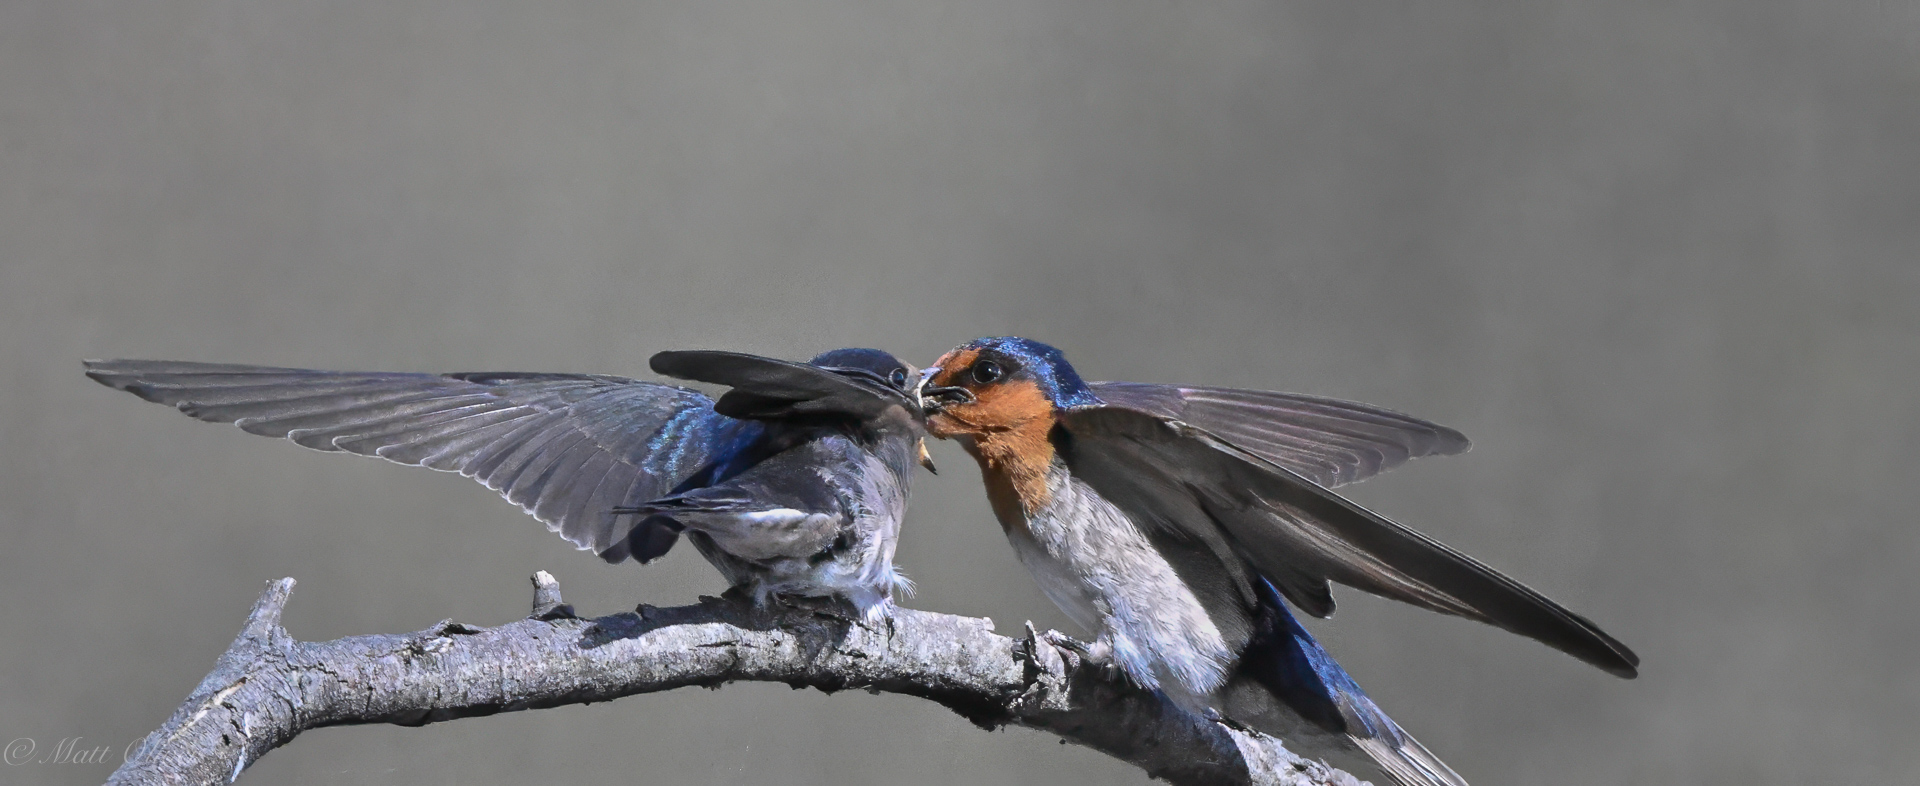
[1327,441]
[1300,535]
[770,388]
[566,448]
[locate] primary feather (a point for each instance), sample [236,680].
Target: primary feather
[1302,535]
[1328,441]
[566,448]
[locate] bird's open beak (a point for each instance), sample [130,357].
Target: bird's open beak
[933,399]
[920,400]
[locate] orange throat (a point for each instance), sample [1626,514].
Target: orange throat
[1006,428]
[1013,465]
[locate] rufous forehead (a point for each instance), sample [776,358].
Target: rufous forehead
[952,364]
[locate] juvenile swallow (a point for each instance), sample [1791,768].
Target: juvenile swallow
[792,483]
[1172,520]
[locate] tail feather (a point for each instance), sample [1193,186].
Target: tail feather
[1407,761]
[1323,701]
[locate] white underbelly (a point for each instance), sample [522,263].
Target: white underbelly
[1097,565]
[1058,582]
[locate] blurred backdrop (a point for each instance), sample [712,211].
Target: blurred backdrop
[1660,261]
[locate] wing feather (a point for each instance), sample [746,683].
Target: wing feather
[1328,441]
[567,448]
[1292,528]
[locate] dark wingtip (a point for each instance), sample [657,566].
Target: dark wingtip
[666,363]
[1610,655]
[694,364]
[1628,665]
[717,367]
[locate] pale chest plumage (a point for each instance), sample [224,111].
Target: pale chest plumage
[1098,566]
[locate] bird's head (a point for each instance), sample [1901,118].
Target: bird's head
[993,385]
[874,368]
[871,367]
[866,386]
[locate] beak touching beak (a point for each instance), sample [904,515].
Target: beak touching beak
[920,390]
[920,400]
[934,399]
[919,386]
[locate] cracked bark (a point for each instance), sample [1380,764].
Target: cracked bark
[268,687]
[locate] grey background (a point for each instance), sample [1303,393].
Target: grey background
[1657,259]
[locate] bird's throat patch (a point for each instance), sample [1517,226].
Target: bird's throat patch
[1014,465]
[1006,428]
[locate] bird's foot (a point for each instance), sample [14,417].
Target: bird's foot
[1096,655]
[832,609]
[1214,715]
[744,596]
[879,618]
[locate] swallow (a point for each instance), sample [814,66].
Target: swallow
[1179,522]
[792,483]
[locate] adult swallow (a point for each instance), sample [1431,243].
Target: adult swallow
[792,483]
[1172,520]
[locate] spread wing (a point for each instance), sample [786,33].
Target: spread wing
[1327,441]
[566,448]
[1300,535]
[771,388]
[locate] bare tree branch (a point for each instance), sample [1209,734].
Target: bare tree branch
[267,687]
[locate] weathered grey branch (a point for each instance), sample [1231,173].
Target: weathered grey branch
[267,687]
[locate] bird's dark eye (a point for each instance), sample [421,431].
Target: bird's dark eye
[987,372]
[898,377]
